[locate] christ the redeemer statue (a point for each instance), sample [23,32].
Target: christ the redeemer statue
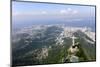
[73,40]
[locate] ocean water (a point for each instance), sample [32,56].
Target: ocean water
[84,23]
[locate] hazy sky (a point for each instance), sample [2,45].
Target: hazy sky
[24,11]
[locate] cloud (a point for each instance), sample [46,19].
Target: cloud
[74,20]
[44,12]
[63,11]
[75,12]
[30,13]
[68,11]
